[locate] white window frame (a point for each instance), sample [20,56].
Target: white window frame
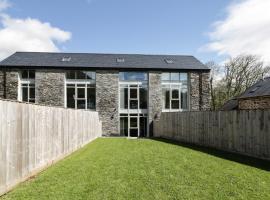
[76,82]
[27,81]
[173,85]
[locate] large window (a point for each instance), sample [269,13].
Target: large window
[81,90]
[175,91]
[27,86]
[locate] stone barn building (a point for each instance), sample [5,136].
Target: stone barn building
[128,91]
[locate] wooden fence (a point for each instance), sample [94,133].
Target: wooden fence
[244,132]
[32,137]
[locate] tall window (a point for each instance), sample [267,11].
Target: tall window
[81,90]
[27,86]
[175,91]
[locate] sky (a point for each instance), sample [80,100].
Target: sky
[211,30]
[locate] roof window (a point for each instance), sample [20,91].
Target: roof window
[66,59]
[169,61]
[120,60]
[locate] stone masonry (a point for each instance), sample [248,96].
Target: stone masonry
[2,84]
[199,91]
[155,99]
[50,87]
[12,84]
[107,101]
[254,103]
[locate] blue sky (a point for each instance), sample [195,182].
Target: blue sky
[127,26]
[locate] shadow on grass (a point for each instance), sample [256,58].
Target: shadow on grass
[243,159]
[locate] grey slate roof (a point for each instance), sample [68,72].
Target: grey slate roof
[93,60]
[261,88]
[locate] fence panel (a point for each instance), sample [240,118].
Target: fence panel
[244,132]
[32,137]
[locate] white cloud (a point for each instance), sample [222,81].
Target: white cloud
[4,4]
[245,30]
[29,35]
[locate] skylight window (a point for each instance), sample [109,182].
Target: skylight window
[66,59]
[120,60]
[169,61]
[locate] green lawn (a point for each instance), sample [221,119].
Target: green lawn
[118,168]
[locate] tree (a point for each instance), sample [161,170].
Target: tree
[240,73]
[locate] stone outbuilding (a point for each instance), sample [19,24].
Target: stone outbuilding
[128,91]
[255,97]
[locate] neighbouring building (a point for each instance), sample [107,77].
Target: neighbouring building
[128,90]
[255,97]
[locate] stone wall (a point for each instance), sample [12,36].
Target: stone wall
[107,101]
[205,91]
[254,103]
[199,91]
[2,84]
[155,99]
[50,87]
[12,77]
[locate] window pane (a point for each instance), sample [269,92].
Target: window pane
[81,104]
[175,77]
[133,93]
[31,74]
[80,75]
[71,97]
[81,93]
[90,75]
[25,94]
[184,104]
[166,98]
[25,74]
[70,75]
[175,104]
[183,77]
[91,98]
[123,126]
[133,104]
[165,76]
[32,93]
[143,98]
[124,98]
[175,94]
[133,76]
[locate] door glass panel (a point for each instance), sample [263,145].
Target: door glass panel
[71,97]
[80,104]
[175,104]
[143,126]
[81,93]
[133,132]
[91,98]
[133,122]
[133,104]
[123,126]
[133,93]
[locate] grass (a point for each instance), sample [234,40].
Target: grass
[117,168]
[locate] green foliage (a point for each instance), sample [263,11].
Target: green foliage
[113,168]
